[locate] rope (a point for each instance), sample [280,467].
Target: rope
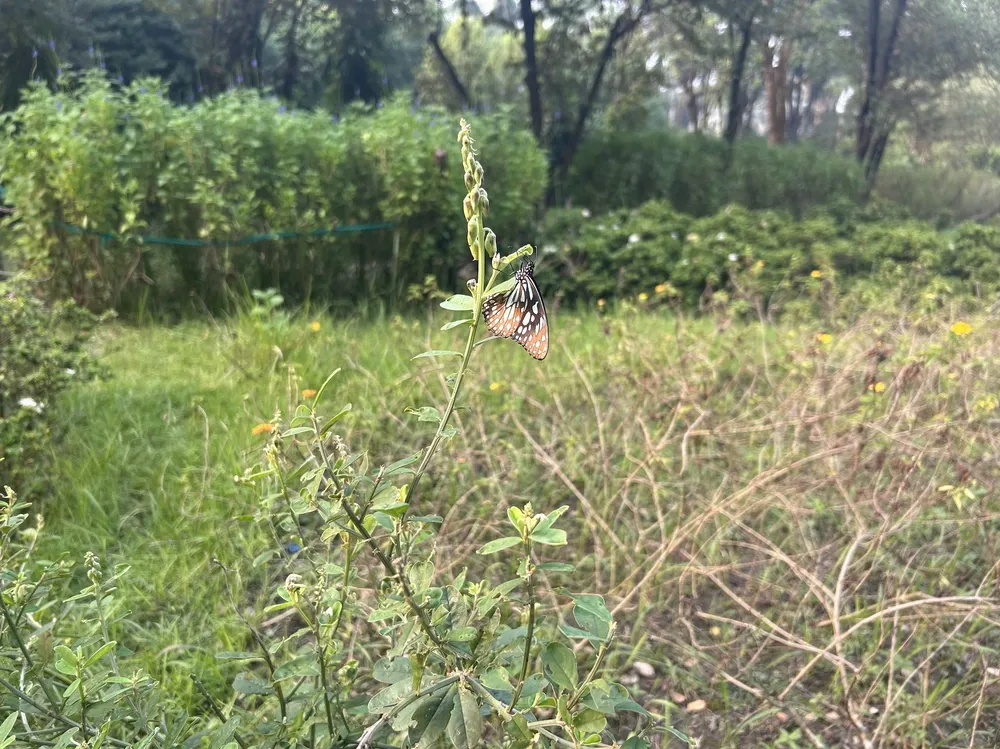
[252,239]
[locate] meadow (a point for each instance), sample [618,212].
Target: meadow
[791,522]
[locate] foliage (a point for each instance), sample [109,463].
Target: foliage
[700,175]
[451,650]
[123,163]
[42,352]
[766,254]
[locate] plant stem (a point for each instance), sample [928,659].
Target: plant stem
[601,653]
[11,624]
[526,661]
[215,708]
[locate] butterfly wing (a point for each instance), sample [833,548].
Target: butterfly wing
[519,314]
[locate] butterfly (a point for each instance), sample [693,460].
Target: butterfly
[519,313]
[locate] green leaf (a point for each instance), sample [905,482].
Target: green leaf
[503,286]
[549,536]
[296,430]
[400,466]
[589,721]
[457,323]
[246,685]
[575,633]
[65,740]
[504,588]
[465,728]
[303,665]
[516,518]
[498,680]
[343,412]
[592,615]
[425,413]
[5,729]
[636,742]
[433,716]
[463,634]
[509,636]
[380,615]
[425,519]
[391,670]
[435,353]
[549,520]
[632,707]
[499,545]
[404,718]
[559,665]
[420,574]
[458,303]
[556,567]
[391,696]
[517,729]
[101,652]
[65,660]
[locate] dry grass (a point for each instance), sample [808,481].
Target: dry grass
[810,554]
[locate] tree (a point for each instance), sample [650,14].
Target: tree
[911,50]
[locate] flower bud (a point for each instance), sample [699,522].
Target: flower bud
[467,207]
[473,230]
[470,181]
[491,243]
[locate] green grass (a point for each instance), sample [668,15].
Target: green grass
[719,475]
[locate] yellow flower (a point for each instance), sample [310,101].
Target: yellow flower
[661,288]
[309,393]
[600,302]
[877,387]
[494,386]
[692,237]
[961,328]
[817,273]
[263,429]
[824,338]
[314,326]
[643,296]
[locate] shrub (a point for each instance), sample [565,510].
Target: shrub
[41,353]
[700,175]
[122,163]
[450,658]
[627,253]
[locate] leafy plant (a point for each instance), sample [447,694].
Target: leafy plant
[42,352]
[457,659]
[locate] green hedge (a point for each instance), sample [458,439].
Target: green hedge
[627,253]
[700,175]
[128,162]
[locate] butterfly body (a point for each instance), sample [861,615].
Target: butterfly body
[519,314]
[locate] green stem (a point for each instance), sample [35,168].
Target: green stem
[601,654]
[216,710]
[52,714]
[529,637]
[11,624]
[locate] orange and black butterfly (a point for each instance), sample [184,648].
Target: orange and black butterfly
[519,313]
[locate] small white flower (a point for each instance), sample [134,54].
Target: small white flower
[549,249]
[733,257]
[614,227]
[70,371]
[673,234]
[685,261]
[585,213]
[31,404]
[633,238]
[721,236]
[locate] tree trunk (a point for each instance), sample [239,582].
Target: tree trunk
[292,53]
[737,99]
[690,99]
[874,160]
[449,70]
[531,69]
[775,74]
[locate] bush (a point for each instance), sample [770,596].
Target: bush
[41,353]
[700,175]
[442,657]
[123,163]
[656,251]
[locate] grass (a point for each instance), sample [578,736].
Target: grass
[798,537]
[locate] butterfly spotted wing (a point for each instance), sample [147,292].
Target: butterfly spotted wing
[519,314]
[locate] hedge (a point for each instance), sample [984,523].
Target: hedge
[94,167]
